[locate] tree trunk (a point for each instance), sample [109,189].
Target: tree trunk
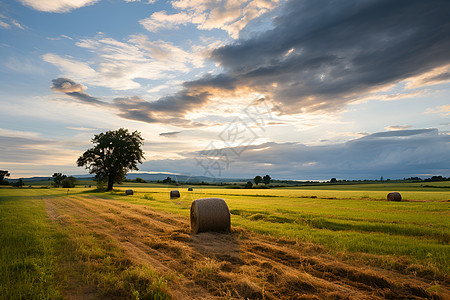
[110,183]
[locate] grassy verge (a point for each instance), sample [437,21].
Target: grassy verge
[29,246]
[53,259]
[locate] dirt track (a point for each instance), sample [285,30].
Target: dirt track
[237,265]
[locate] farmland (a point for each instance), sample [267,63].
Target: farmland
[336,241]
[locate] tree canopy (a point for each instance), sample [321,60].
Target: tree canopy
[3,174]
[257,180]
[114,153]
[266,179]
[69,182]
[58,178]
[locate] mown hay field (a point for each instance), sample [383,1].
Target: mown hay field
[314,242]
[342,220]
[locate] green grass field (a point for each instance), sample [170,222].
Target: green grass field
[342,219]
[358,220]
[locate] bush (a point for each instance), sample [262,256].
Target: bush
[69,182]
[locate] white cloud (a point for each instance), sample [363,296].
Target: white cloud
[229,15]
[444,110]
[397,127]
[118,64]
[57,6]
[18,133]
[4,25]
[148,1]
[161,20]
[17,24]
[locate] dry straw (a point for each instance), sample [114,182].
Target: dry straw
[394,196]
[210,214]
[174,194]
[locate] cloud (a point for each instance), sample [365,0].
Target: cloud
[322,55]
[397,127]
[73,89]
[318,56]
[229,15]
[4,25]
[17,24]
[435,76]
[170,134]
[36,151]
[57,6]
[118,64]
[444,110]
[399,154]
[168,109]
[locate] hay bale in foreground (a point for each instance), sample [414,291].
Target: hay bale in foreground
[128,192]
[394,196]
[190,189]
[210,214]
[174,194]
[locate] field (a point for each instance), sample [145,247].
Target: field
[317,242]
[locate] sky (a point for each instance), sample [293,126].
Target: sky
[297,89]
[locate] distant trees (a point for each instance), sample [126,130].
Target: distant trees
[333,180]
[266,179]
[115,153]
[140,180]
[248,185]
[69,182]
[3,174]
[58,179]
[167,180]
[257,180]
[19,183]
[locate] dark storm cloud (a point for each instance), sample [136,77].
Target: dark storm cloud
[168,109]
[320,54]
[73,89]
[393,154]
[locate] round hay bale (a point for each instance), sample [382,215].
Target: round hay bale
[174,194]
[190,189]
[129,192]
[394,196]
[210,214]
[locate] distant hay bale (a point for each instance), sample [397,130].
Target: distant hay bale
[210,214]
[174,194]
[129,192]
[394,196]
[190,189]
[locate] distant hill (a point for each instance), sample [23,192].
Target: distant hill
[146,177]
[181,178]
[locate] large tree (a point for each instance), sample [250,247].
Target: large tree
[114,154]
